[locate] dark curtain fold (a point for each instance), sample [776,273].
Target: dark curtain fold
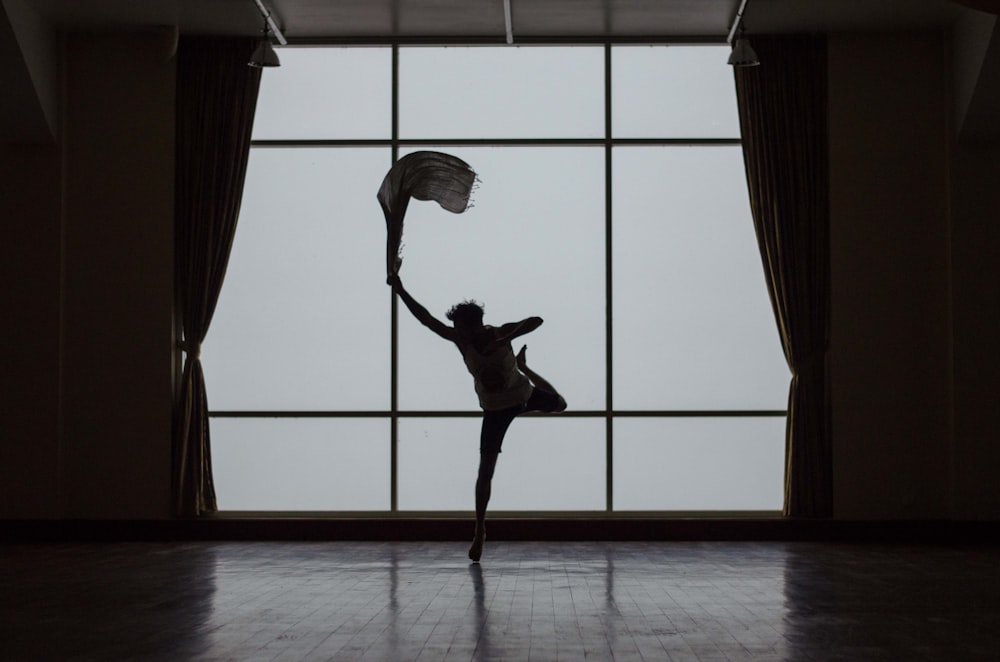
[216,99]
[782,109]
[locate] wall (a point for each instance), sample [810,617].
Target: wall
[29,360]
[88,256]
[29,58]
[118,294]
[976,269]
[30,265]
[890,334]
[118,297]
[971,37]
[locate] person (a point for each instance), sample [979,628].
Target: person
[505,385]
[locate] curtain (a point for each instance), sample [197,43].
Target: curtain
[782,109]
[216,99]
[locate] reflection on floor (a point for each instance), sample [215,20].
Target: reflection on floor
[526,600]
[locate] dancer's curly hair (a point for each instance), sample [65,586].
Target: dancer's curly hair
[468,312]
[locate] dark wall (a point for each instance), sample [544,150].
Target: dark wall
[890,358]
[89,248]
[976,286]
[118,296]
[30,255]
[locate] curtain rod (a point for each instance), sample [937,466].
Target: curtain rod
[271,24]
[507,21]
[736,22]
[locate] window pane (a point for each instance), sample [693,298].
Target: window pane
[693,323]
[303,322]
[532,245]
[505,92]
[673,92]
[438,459]
[303,318]
[547,463]
[699,463]
[301,463]
[329,93]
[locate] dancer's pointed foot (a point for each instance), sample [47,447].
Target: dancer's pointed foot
[476,551]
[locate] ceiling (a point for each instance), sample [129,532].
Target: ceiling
[29,60]
[312,20]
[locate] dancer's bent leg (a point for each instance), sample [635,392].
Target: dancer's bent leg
[553,403]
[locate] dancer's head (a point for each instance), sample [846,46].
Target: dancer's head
[468,314]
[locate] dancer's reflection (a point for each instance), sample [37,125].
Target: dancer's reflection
[483,650]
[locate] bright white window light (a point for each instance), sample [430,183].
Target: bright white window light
[302,337]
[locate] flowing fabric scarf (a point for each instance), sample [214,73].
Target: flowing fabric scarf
[446,179]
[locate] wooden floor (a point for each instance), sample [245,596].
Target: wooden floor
[526,600]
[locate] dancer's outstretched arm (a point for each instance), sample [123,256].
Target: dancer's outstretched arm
[418,311]
[512,330]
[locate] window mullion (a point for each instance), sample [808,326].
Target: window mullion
[394,320]
[608,393]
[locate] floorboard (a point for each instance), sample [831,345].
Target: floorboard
[524,601]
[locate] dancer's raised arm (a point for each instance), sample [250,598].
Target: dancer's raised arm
[421,313]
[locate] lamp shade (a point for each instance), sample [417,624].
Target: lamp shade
[264,55]
[743,54]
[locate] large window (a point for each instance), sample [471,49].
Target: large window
[612,203]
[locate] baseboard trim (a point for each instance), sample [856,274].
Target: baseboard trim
[504,528]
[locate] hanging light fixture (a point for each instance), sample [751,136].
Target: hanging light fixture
[264,55]
[742,54]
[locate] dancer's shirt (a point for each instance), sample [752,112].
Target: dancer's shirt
[499,383]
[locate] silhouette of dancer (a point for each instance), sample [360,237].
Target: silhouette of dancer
[505,385]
